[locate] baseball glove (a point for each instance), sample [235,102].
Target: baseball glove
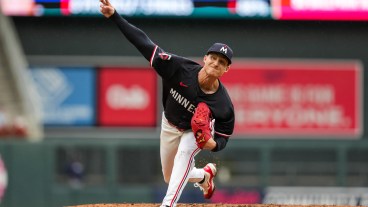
[201,124]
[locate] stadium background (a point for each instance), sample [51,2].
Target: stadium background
[91,153]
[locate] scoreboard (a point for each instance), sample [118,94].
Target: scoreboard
[141,8]
[340,10]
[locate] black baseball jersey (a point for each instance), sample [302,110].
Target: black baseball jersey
[181,91]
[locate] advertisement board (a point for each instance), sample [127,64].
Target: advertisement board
[299,98]
[320,9]
[306,195]
[67,95]
[127,97]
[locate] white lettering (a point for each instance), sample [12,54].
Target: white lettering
[182,100]
[223,49]
[136,7]
[67,114]
[179,99]
[330,116]
[172,91]
[318,94]
[191,108]
[272,94]
[251,8]
[185,103]
[120,97]
[312,198]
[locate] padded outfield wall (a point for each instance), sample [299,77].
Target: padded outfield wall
[67,171]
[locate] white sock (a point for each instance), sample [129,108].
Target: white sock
[196,173]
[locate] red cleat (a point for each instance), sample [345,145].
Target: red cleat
[208,186]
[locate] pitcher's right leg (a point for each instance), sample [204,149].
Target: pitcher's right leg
[183,164]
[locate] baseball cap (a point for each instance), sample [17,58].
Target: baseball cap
[222,49]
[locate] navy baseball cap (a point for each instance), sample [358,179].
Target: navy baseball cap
[222,49]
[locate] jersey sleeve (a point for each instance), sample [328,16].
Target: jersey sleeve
[222,138]
[224,129]
[165,64]
[135,35]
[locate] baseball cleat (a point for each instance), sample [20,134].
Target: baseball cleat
[208,186]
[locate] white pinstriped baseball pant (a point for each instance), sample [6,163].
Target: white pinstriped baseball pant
[177,151]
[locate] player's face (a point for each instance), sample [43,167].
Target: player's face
[215,64]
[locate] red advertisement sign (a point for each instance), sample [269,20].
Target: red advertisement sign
[17,7]
[300,98]
[320,9]
[127,97]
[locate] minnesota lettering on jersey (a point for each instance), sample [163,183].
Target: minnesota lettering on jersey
[182,101]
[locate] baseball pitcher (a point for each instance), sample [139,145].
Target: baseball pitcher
[198,112]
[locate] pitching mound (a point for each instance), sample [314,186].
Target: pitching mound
[197,205]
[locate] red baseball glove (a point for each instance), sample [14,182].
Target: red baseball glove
[201,124]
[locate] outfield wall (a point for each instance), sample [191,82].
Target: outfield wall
[61,172]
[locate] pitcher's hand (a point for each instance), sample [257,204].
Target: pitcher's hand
[106,8]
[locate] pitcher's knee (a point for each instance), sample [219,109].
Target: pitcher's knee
[167,178]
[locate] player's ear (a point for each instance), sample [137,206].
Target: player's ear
[227,68]
[204,58]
